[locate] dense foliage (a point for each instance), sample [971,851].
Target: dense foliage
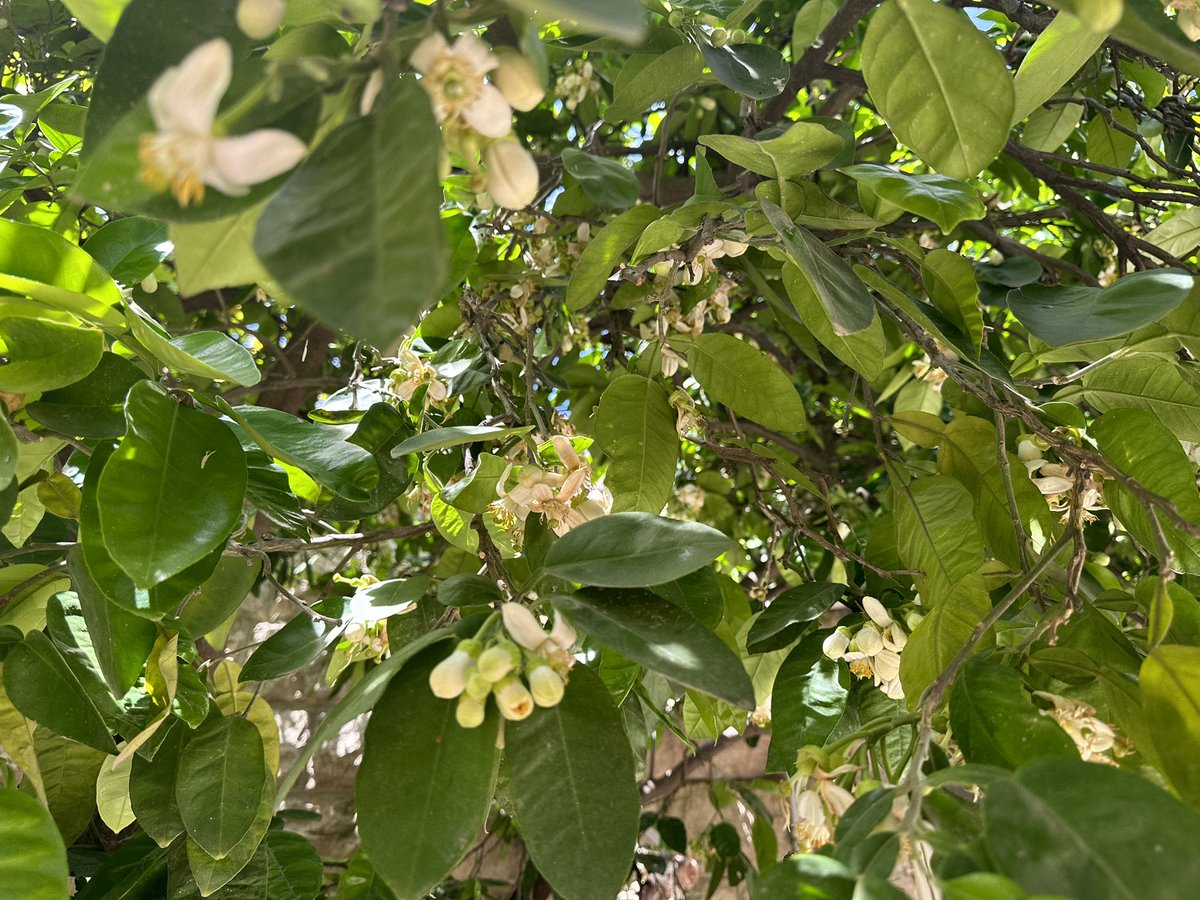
[589,377]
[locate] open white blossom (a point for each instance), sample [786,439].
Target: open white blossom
[563,499]
[186,153]
[1093,737]
[455,76]
[874,650]
[411,373]
[819,807]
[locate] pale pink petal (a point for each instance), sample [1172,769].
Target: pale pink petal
[428,52]
[247,159]
[490,114]
[475,53]
[185,97]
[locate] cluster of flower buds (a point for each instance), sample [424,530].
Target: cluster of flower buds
[362,640]
[563,499]
[1056,481]
[474,91]
[577,82]
[527,668]
[873,650]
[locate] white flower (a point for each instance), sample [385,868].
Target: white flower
[259,19]
[1093,737]
[546,686]
[498,660]
[518,80]
[449,677]
[414,372]
[185,154]
[512,174]
[819,807]
[514,699]
[877,611]
[454,77]
[869,640]
[1027,451]
[836,645]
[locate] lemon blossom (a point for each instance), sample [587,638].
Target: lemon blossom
[819,807]
[513,699]
[455,77]
[259,19]
[186,153]
[469,713]
[564,499]
[874,650]
[524,628]
[518,80]
[512,174]
[1093,737]
[449,677]
[414,372]
[546,685]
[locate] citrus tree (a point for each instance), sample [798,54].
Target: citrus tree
[587,379]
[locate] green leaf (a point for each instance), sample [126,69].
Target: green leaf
[803,148]
[746,380]
[1170,688]
[9,452]
[39,355]
[33,860]
[69,771]
[1142,447]
[699,593]
[477,491]
[1071,314]
[360,881]
[129,249]
[633,549]
[949,280]
[660,79]
[172,492]
[219,768]
[753,70]
[574,792]
[218,253]
[1179,235]
[221,595]
[605,181]
[603,252]
[152,784]
[807,702]
[846,301]
[941,635]
[358,700]
[995,721]
[417,819]
[940,83]
[453,436]
[1107,145]
[942,200]
[936,534]
[624,20]
[345,468]
[635,427]
[363,210]
[1071,828]
[208,354]
[662,637]
[294,645]
[212,874]
[1048,127]
[1058,53]
[94,406]
[41,264]
[1151,383]
[44,688]
[97,16]
[863,351]
[790,614]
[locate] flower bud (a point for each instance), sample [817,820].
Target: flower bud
[877,611]
[719,37]
[470,712]
[1027,450]
[522,626]
[259,19]
[498,660]
[868,640]
[449,677]
[518,80]
[546,686]
[512,175]
[562,634]
[371,92]
[514,699]
[912,619]
[150,283]
[478,686]
[836,645]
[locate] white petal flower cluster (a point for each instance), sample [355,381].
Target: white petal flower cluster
[474,91]
[411,373]
[873,651]
[187,152]
[1056,483]
[819,806]
[473,672]
[576,84]
[563,498]
[1093,737]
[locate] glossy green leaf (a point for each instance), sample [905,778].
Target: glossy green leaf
[790,614]
[659,79]
[603,251]
[949,280]
[863,351]
[606,182]
[453,436]
[807,701]
[803,148]
[477,491]
[44,688]
[9,452]
[846,301]
[69,771]
[208,354]
[662,637]
[1107,144]
[995,722]
[318,450]
[220,596]
[624,20]
[1049,126]
[97,16]
[699,593]
[938,198]
[1077,829]
[746,380]
[940,83]
[94,406]
[172,492]
[217,254]
[753,70]
[219,768]
[635,426]
[633,549]
[33,860]
[212,874]
[939,636]
[1071,314]
[294,645]
[129,249]
[1179,235]
[1170,688]
[363,209]
[40,355]
[152,784]
[1058,53]
[1151,383]
[447,775]
[936,533]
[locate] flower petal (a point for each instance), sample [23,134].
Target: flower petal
[185,97]
[475,53]
[428,52]
[247,159]
[490,114]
